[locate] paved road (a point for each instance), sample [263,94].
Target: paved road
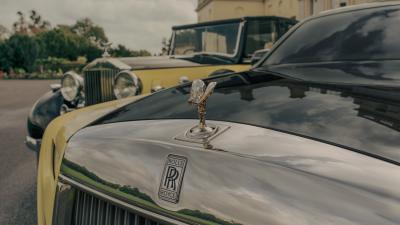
[17,163]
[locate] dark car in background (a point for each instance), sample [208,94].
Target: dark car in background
[311,135]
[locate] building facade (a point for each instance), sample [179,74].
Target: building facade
[311,7]
[208,10]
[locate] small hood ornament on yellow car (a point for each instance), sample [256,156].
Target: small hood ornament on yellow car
[198,96]
[106,47]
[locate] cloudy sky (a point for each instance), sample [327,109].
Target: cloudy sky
[138,24]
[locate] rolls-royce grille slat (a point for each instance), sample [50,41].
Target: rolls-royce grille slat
[91,210]
[99,85]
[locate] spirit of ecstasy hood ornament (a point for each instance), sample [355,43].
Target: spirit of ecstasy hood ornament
[106,47]
[198,96]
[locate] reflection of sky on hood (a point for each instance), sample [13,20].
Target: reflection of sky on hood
[280,179]
[352,36]
[366,119]
[363,73]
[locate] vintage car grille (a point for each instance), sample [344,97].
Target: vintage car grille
[88,210]
[99,85]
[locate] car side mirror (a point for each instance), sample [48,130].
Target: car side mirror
[259,54]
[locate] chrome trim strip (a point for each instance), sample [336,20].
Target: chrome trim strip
[135,209]
[113,61]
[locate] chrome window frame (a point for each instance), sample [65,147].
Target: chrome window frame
[233,55]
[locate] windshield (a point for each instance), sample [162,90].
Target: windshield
[260,35]
[215,39]
[369,34]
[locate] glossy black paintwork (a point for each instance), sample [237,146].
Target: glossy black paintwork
[251,175]
[367,73]
[43,112]
[355,116]
[369,34]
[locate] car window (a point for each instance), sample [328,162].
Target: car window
[220,39]
[370,34]
[260,35]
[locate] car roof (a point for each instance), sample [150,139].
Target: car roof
[357,7]
[215,22]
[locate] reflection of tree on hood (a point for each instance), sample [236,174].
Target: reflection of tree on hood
[126,189]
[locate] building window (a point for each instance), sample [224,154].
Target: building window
[343,3]
[311,7]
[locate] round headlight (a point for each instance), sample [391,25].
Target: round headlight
[126,84]
[71,86]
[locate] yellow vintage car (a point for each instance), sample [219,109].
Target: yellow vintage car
[196,51]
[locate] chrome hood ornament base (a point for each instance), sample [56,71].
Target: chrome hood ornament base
[198,96]
[198,133]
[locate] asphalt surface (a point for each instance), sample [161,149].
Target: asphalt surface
[17,163]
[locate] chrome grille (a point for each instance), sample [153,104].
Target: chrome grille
[91,210]
[99,85]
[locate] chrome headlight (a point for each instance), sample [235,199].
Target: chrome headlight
[71,86]
[126,84]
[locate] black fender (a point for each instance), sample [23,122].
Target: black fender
[43,112]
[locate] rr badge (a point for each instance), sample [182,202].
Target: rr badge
[171,181]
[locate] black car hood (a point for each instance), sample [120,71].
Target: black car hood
[378,73]
[251,175]
[359,118]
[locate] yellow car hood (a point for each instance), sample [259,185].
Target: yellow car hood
[55,139]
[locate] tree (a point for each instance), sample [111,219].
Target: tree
[37,24]
[86,28]
[60,44]
[165,46]
[21,25]
[141,53]
[5,63]
[35,42]
[92,52]
[22,52]
[34,26]
[122,51]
